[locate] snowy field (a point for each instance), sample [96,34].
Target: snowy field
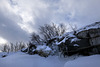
[89,61]
[20,59]
[24,60]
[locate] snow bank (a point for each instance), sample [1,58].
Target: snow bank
[89,61]
[24,60]
[20,59]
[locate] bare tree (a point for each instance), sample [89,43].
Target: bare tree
[16,46]
[35,38]
[74,28]
[13,47]
[62,29]
[45,31]
[5,48]
[48,31]
[21,45]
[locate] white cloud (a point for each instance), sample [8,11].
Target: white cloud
[81,11]
[35,12]
[28,10]
[27,15]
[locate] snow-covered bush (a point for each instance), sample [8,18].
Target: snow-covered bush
[43,50]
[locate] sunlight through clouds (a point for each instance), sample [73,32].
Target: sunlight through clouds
[2,41]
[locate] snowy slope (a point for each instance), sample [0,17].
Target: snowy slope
[89,61]
[24,60]
[20,59]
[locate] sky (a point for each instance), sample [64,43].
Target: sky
[19,18]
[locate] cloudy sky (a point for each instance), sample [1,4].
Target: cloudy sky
[19,18]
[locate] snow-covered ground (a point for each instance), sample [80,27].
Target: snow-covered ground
[20,59]
[89,61]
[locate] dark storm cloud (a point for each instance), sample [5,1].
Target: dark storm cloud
[10,30]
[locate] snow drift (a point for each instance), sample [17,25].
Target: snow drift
[88,61]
